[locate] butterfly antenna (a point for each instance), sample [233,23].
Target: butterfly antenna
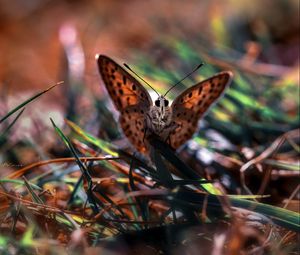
[140,77]
[184,78]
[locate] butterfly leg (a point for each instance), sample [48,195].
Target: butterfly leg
[147,128]
[145,132]
[168,140]
[168,131]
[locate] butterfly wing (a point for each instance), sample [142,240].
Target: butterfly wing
[130,98]
[190,106]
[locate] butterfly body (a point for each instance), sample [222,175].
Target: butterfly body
[140,117]
[159,116]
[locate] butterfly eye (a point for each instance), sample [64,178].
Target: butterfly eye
[157,103]
[166,102]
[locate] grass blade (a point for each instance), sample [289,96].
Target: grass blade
[27,102]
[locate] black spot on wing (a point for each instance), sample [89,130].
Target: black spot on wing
[119,101]
[200,90]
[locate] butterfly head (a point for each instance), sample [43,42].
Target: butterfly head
[160,114]
[161,103]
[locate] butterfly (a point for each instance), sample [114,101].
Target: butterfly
[139,117]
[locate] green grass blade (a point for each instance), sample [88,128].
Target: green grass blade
[19,183]
[293,166]
[6,131]
[27,102]
[34,196]
[280,216]
[103,145]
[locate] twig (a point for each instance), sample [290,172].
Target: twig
[265,154]
[292,196]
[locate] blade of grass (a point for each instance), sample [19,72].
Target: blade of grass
[92,199]
[105,146]
[293,166]
[75,190]
[27,238]
[188,172]
[170,156]
[81,166]
[282,217]
[6,131]
[27,101]
[34,196]
[142,204]
[19,183]
[163,173]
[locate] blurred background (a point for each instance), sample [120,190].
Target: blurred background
[34,33]
[43,42]
[253,130]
